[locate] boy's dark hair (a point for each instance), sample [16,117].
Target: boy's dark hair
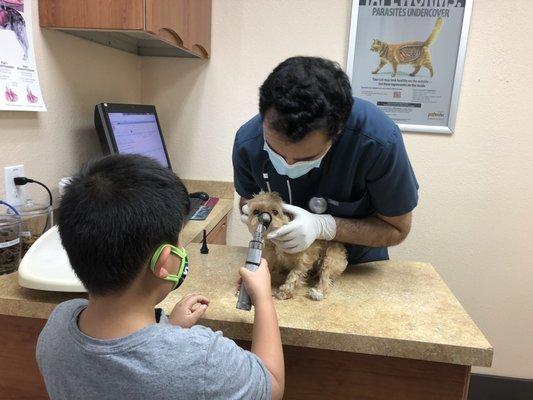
[307,94]
[114,214]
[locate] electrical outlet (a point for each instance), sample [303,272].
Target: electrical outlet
[15,195]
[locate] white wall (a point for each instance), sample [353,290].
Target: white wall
[474,220]
[75,75]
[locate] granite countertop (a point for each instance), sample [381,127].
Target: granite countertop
[23,302]
[388,308]
[193,230]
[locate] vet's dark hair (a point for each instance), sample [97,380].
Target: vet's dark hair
[113,216]
[307,94]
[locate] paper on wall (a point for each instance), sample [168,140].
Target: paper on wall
[19,82]
[406,58]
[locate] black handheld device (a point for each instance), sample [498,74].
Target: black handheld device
[253,259]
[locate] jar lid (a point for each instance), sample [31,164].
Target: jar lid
[31,208]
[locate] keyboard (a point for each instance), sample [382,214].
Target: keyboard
[195,205]
[205,209]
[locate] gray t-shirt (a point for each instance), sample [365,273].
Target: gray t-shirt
[160,361]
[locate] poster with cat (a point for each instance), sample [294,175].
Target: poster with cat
[19,82]
[406,56]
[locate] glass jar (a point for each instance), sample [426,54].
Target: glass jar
[36,219]
[9,243]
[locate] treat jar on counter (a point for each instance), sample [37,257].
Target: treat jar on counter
[10,247]
[36,219]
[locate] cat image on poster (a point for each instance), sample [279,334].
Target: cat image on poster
[415,53]
[12,20]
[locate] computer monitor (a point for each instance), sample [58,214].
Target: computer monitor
[130,129]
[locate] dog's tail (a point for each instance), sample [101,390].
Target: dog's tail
[435,32]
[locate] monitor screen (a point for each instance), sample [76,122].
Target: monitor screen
[130,129]
[138,134]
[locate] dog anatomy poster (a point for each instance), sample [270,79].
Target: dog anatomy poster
[406,56]
[19,83]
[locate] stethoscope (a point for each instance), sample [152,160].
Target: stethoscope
[317,205]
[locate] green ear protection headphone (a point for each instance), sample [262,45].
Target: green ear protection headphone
[184,266]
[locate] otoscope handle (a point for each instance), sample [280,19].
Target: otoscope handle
[255,250]
[244,302]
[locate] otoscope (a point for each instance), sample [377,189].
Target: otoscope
[255,250]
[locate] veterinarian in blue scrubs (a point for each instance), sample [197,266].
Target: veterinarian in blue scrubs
[339,163]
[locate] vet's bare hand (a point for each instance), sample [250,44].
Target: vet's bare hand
[189,310]
[257,282]
[303,230]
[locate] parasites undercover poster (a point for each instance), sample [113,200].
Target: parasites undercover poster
[405,57]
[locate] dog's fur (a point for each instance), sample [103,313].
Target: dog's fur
[11,19]
[328,259]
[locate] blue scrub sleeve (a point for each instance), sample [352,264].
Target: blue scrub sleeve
[243,179]
[391,181]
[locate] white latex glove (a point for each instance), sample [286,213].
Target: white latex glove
[244,214]
[303,230]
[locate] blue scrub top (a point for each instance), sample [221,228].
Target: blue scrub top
[366,171]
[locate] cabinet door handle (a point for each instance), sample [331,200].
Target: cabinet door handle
[172,35]
[199,50]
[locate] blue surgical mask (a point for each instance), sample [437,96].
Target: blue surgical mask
[295,170]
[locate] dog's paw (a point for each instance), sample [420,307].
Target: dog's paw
[316,294]
[281,294]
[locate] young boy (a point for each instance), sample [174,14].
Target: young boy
[119,222]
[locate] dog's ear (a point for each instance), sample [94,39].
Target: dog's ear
[289,216]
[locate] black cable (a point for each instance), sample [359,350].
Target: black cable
[22,180]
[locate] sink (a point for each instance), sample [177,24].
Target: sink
[46,266]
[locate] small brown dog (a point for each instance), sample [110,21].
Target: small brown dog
[327,258]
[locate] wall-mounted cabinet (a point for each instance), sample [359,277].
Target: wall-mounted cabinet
[169,28]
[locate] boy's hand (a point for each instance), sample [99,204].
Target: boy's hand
[257,283]
[189,310]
